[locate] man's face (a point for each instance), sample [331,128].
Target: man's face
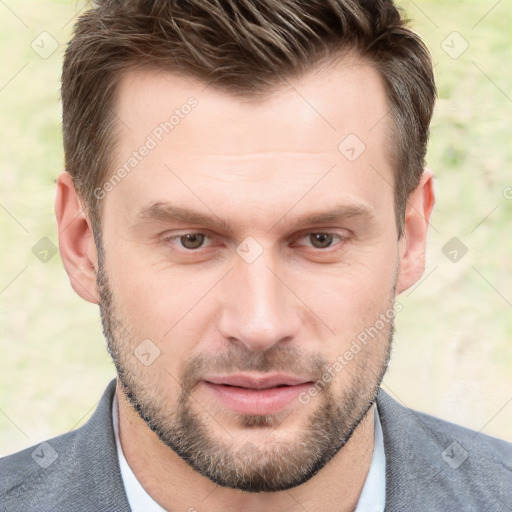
[263,289]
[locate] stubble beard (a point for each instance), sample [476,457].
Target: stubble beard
[271,466]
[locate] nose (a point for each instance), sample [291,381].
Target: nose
[259,309]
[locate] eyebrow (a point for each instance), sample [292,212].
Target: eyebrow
[169,212]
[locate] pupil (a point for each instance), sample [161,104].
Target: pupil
[321,240]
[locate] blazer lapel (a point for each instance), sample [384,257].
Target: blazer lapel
[90,462]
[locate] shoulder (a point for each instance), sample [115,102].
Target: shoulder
[75,471]
[428,458]
[33,473]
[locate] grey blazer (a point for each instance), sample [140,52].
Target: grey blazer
[432,466]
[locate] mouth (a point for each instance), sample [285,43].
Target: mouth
[246,394]
[263,388]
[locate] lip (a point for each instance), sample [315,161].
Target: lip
[246,394]
[255,382]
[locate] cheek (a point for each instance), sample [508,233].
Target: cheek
[162,304]
[351,296]
[359,310]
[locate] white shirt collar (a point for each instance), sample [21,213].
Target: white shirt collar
[138,499]
[373,496]
[372,499]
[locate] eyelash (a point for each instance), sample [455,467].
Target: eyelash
[341,238]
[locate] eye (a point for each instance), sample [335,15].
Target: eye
[323,240]
[189,241]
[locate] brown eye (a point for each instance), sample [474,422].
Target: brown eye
[192,240]
[321,240]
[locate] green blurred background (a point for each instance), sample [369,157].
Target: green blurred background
[453,353]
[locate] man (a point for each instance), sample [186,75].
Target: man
[245,196]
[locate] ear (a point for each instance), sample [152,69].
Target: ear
[413,242]
[76,241]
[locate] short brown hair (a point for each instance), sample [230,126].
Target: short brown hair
[245,47]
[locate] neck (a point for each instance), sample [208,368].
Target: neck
[172,483]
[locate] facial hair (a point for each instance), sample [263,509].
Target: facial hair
[184,427]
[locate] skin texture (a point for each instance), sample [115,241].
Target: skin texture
[295,309]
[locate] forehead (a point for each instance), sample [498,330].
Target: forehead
[343,97]
[209,143]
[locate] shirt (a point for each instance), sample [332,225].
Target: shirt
[372,497]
